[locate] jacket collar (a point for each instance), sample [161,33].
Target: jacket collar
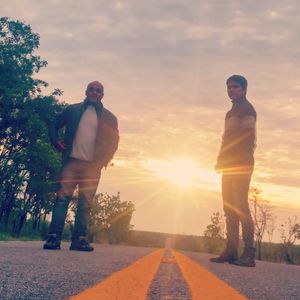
[98,105]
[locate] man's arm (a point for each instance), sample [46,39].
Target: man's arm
[218,166]
[59,122]
[108,138]
[220,157]
[112,142]
[248,135]
[238,141]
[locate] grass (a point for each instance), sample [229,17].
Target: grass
[4,236]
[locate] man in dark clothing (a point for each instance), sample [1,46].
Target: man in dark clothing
[90,140]
[235,162]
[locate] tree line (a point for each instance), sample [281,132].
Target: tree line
[29,165]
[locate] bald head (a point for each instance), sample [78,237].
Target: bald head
[94,91]
[95,84]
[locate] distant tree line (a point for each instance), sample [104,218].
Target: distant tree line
[29,165]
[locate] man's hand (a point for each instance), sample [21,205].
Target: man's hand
[60,145]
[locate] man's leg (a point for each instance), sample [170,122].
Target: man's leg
[87,188]
[60,209]
[232,223]
[241,189]
[232,226]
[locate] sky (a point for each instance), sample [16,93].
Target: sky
[164,65]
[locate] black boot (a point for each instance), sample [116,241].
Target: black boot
[53,242]
[247,258]
[226,256]
[81,244]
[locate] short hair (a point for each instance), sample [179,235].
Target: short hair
[241,80]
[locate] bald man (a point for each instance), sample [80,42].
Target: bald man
[90,140]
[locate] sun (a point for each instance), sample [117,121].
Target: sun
[181,172]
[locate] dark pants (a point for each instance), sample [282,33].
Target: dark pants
[235,188]
[86,176]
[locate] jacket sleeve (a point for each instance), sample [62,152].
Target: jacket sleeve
[58,123]
[238,141]
[109,144]
[248,136]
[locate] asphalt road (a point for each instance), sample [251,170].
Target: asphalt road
[267,281]
[168,283]
[28,272]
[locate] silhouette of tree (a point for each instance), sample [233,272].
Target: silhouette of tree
[214,233]
[289,233]
[262,214]
[28,163]
[110,217]
[216,228]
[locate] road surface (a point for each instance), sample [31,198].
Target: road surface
[122,272]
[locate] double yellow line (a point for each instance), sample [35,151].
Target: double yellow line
[133,282]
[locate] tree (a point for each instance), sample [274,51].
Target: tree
[214,233]
[271,228]
[289,233]
[262,217]
[29,164]
[110,217]
[216,228]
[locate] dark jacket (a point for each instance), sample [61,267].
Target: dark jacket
[107,135]
[239,138]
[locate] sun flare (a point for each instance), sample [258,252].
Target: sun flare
[182,172]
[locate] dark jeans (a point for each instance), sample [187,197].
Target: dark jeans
[235,188]
[86,176]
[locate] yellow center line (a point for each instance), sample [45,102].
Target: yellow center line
[203,284]
[131,282]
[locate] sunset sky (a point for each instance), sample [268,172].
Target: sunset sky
[164,65]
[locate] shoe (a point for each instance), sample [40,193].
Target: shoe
[52,243]
[247,258]
[81,245]
[226,256]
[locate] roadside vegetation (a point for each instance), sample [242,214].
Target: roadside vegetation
[273,252]
[214,236]
[29,165]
